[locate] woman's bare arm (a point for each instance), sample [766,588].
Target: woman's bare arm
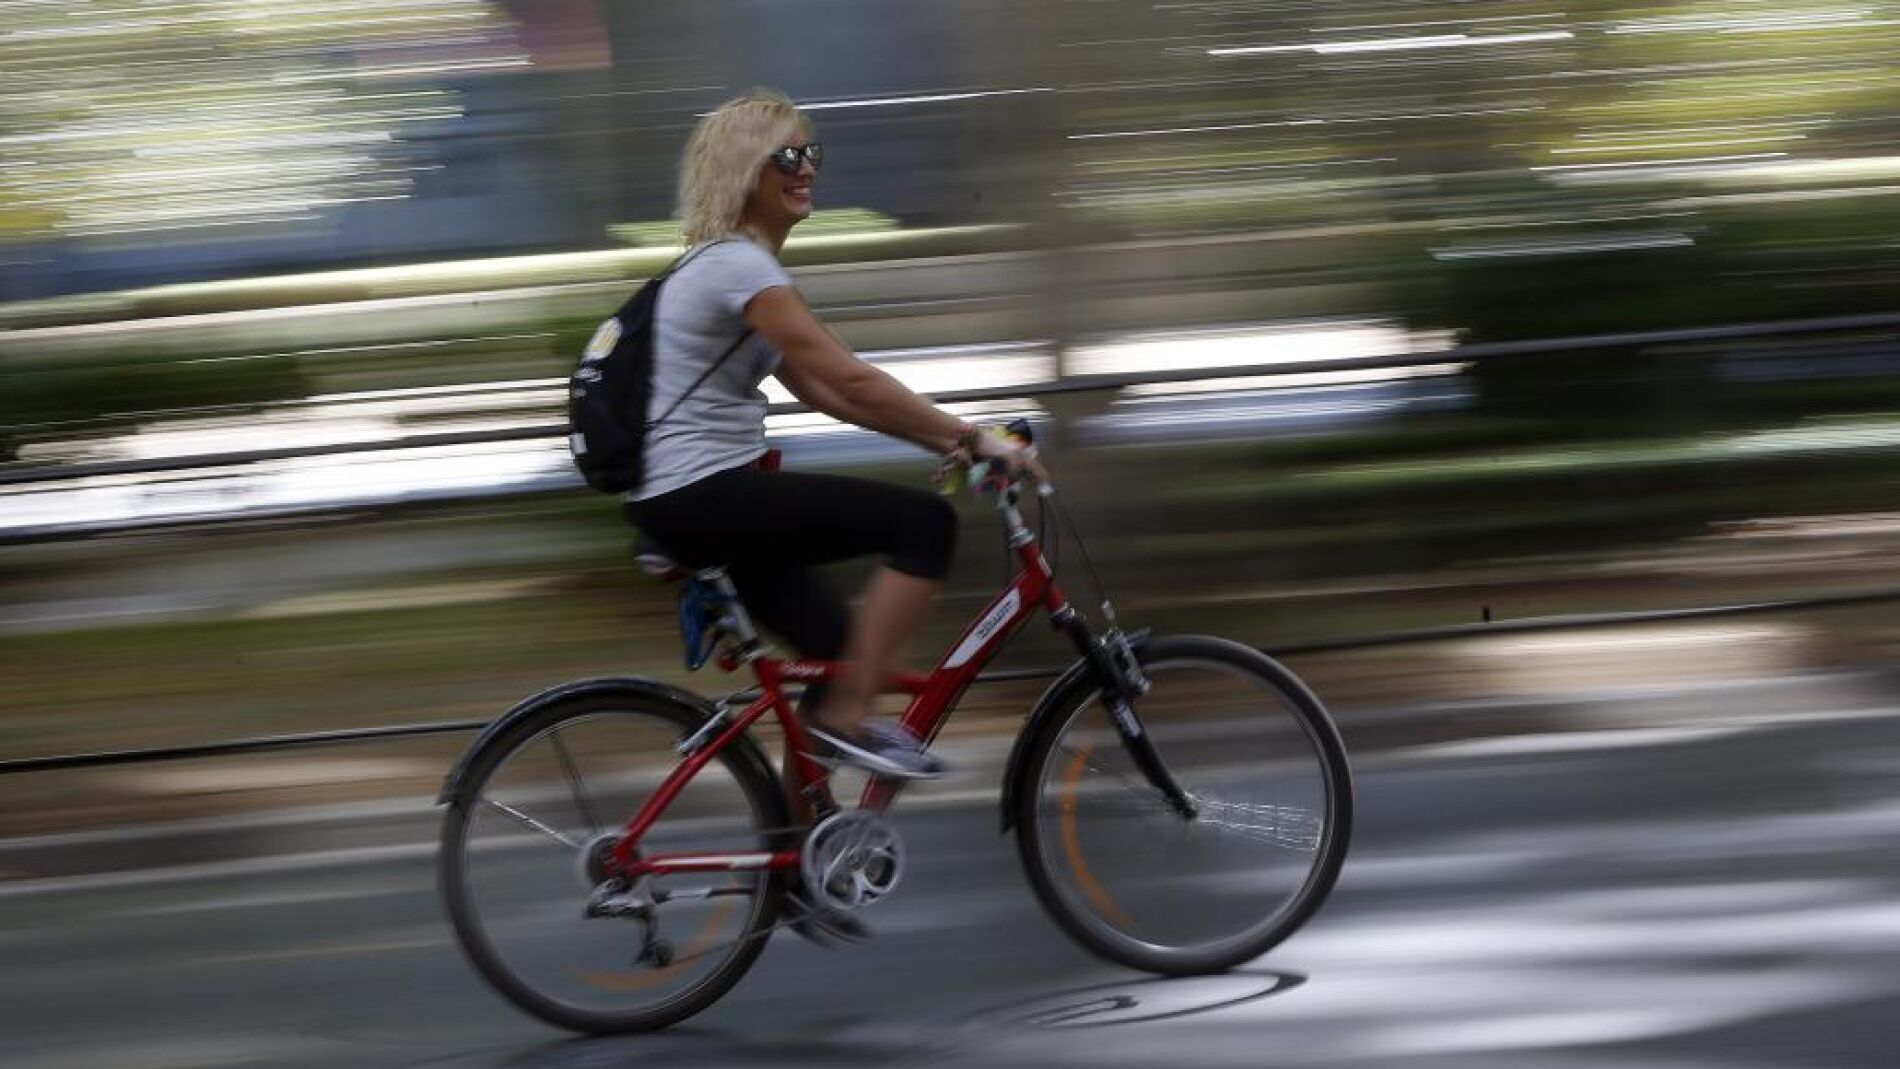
[822,372]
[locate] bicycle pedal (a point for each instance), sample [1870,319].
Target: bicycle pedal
[826,928]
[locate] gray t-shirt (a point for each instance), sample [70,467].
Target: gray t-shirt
[721,424]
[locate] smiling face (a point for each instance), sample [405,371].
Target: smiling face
[779,200]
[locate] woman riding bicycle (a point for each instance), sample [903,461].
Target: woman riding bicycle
[1182,803]
[745,180]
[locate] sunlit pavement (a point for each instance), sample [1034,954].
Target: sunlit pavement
[1717,889]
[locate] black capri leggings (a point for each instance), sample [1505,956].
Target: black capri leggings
[771,529]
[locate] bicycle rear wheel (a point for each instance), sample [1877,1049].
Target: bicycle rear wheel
[1140,885]
[520,858]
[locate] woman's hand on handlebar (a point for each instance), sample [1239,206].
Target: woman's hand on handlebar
[1014,458]
[1004,458]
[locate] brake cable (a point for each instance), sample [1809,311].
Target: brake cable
[1088,562]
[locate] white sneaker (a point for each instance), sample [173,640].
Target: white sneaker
[883,748]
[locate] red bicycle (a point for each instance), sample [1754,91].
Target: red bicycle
[617,851]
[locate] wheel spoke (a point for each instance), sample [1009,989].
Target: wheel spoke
[573,774]
[1146,791]
[524,818]
[1288,826]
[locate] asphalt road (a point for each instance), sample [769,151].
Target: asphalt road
[1718,887]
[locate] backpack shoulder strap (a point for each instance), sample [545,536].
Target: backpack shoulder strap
[716,364]
[703,376]
[690,255]
[649,290]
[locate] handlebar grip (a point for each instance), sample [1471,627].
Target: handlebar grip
[983,475]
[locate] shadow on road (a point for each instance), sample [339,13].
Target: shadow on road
[886,1041]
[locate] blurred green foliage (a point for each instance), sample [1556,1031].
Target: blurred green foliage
[111,393]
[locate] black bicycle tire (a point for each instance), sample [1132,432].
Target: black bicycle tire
[762,790]
[1321,877]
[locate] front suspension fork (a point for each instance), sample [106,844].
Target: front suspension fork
[1112,661]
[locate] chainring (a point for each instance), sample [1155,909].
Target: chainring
[851,859]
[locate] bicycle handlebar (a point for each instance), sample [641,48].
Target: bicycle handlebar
[984,476]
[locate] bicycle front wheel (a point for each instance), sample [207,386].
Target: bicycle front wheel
[1139,884]
[521,858]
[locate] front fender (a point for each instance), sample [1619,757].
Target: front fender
[628,685]
[1059,695]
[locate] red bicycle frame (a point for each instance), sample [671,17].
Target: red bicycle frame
[932,698]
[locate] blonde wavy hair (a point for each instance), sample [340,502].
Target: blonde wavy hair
[720,167]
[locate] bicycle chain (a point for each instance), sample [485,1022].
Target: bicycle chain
[709,951]
[760,934]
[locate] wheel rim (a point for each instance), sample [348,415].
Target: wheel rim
[1137,877]
[522,868]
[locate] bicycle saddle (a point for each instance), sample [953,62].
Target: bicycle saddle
[701,605]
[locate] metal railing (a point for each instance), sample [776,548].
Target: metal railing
[262,744]
[1466,354]
[39,473]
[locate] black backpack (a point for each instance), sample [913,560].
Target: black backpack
[608,393]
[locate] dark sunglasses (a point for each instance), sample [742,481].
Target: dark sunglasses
[788,158]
